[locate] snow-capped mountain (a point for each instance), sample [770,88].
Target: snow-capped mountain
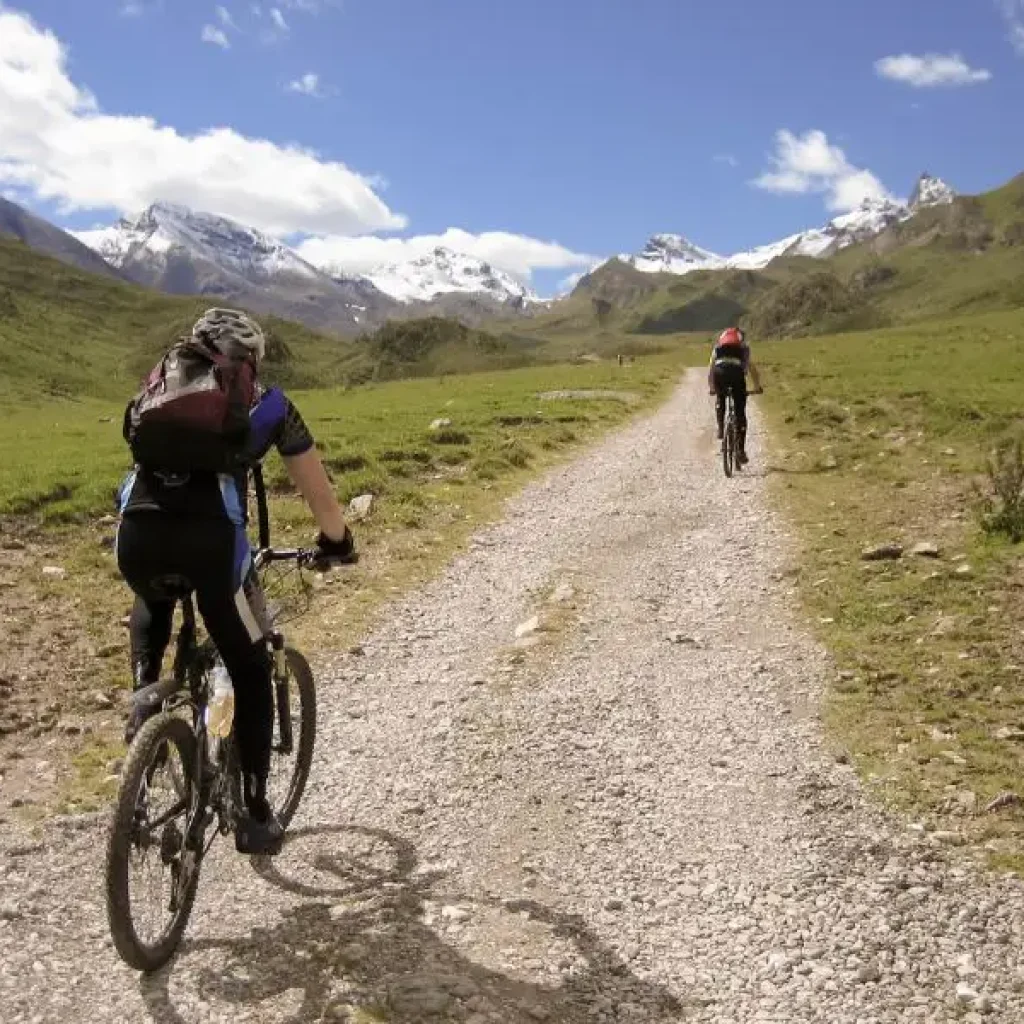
[930,191]
[186,252]
[674,254]
[155,235]
[443,272]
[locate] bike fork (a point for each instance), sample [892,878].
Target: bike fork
[284,712]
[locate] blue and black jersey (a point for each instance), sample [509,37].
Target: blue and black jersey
[274,423]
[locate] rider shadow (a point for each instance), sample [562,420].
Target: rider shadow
[359,939]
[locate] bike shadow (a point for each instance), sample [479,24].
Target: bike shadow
[355,947]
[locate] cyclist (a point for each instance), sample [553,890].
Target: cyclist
[192,525]
[727,371]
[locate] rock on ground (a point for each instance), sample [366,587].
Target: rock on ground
[610,828]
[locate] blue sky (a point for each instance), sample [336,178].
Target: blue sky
[542,132]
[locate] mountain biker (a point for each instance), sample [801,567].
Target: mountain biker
[727,371]
[192,525]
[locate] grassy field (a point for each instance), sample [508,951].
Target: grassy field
[60,463]
[883,436]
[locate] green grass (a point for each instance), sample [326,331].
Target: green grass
[883,435]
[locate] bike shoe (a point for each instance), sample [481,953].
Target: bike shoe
[742,458]
[259,835]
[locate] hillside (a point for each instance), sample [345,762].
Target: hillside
[68,333]
[17,222]
[961,255]
[65,332]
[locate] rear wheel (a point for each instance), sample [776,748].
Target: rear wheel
[147,845]
[290,771]
[729,446]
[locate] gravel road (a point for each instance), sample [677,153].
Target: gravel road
[625,816]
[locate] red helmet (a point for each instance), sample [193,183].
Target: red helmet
[731,336]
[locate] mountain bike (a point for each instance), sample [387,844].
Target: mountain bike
[205,779]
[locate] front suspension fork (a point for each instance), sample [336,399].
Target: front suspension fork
[281,691]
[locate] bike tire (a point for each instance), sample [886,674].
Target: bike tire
[729,448]
[304,688]
[138,954]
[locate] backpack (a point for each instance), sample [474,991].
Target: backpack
[192,413]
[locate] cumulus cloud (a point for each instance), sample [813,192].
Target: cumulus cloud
[278,19]
[1013,13]
[518,255]
[307,85]
[216,36]
[57,144]
[930,70]
[810,163]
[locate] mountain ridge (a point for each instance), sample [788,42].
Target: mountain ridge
[668,253]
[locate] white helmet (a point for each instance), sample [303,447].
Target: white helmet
[229,330]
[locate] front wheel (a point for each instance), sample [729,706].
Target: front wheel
[147,845]
[729,447]
[289,771]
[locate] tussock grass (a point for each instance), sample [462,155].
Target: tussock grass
[930,700]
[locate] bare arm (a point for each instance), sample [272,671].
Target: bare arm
[309,476]
[754,375]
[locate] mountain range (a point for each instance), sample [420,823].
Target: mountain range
[675,254]
[185,252]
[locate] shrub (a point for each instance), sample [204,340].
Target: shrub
[1002,507]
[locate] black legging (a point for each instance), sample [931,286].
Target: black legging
[151,545]
[730,377]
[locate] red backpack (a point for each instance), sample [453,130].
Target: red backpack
[192,413]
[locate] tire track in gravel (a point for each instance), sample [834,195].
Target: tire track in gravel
[634,820]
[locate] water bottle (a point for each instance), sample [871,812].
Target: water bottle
[220,709]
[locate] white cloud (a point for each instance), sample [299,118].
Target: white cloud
[278,19]
[518,255]
[133,9]
[224,17]
[930,70]
[810,163]
[726,158]
[59,146]
[307,85]
[566,285]
[310,6]
[216,36]
[1013,12]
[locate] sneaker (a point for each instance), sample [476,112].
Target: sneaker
[259,832]
[261,838]
[742,459]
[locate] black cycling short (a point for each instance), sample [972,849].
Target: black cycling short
[730,377]
[205,550]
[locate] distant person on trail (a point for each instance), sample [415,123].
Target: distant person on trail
[727,371]
[198,426]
